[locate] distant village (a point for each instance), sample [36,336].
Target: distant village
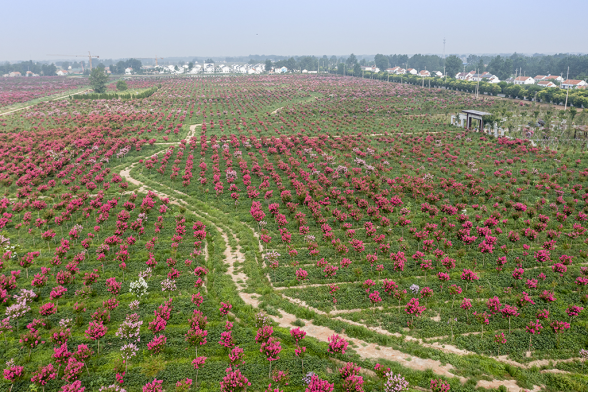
[212,68]
[260,68]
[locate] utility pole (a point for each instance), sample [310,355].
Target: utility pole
[444,57]
[478,79]
[567,99]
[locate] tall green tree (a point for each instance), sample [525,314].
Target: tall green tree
[291,64]
[481,66]
[121,85]
[48,69]
[98,80]
[268,65]
[453,65]
[350,61]
[381,61]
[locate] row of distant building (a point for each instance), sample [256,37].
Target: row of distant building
[540,80]
[212,68]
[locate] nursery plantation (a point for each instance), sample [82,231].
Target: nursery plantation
[291,233]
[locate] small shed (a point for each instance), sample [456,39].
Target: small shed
[476,115]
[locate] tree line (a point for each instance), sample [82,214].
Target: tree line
[24,66]
[501,66]
[120,66]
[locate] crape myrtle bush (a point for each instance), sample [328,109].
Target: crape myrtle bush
[60,165]
[17,90]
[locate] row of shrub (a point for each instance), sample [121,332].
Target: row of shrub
[117,96]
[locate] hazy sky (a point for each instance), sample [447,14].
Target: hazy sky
[119,29]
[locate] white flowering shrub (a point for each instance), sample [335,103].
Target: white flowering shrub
[139,287]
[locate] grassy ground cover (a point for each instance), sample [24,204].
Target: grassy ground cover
[390,225]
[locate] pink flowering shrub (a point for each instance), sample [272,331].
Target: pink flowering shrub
[154,386]
[184,385]
[353,383]
[317,384]
[224,310]
[43,375]
[439,385]
[337,344]
[349,369]
[236,357]
[264,333]
[73,370]
[234,381]
[157,345]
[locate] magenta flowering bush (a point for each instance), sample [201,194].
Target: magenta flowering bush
[224,310]
[73,370]
[439,385]
[264,333]
[234,381]
[153,386]
[317,384]
[12,372]
[271,349]
[236,357]
[184,385]
[157,345]
[348,370]
[337,344]
[43,375]
[75,386]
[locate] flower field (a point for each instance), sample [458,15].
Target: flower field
[18,90]
[340,235]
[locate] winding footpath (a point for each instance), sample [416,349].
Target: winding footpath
[362,348]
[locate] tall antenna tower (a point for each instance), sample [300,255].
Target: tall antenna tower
[444,57]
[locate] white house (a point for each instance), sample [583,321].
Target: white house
[412,71]
[484,77]
[438,74]
[281,70]
[59,73]
[396,70]
[370,68]
[424,73]
[524,80]
[128,71]
[464,76]
[573,83]
[546,84]
[209,68]
[196,69]
[554,78]
[539,78]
